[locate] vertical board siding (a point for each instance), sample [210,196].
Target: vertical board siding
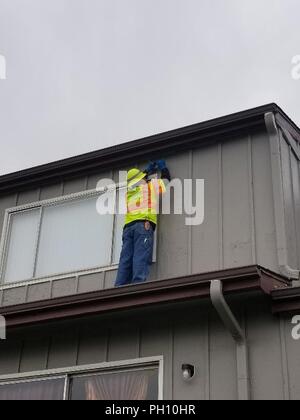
[94,179]
[293,360]
[173,235]
[123,341]
[157,339]
[75,185]
[252,199]
[51,191]
[295,173]
[265,231]
[284,358]
[265,351]
[205,238]
[237,241]
[34,353]
[10,355]
[223,366]
[238,228]
[63,348]
[186,333]
[191,346]
[290,221]
[92,344]
[6,203]
[239,224]
[27,197]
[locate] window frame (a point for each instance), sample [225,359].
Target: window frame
[6,231]
[145,363]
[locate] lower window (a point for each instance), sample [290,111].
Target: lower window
[115,385]
[48,389]
[131,385]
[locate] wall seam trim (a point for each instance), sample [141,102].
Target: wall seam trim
[284,360]
[221,227]
[252,198]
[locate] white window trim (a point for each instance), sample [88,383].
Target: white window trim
[40,204]
[105,367]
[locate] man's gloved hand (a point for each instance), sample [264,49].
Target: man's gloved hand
[151,168]
[161,164]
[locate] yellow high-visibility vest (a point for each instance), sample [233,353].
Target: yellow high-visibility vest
[142,201]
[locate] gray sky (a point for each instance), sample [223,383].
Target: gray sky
[87,74]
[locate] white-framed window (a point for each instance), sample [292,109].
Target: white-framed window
[58,237]
[140,379]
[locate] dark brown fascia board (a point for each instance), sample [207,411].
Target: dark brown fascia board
[128,153]
[286,301]
[236,280]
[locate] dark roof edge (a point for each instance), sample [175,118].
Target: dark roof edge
[127,153]
[235,280]
[286,301]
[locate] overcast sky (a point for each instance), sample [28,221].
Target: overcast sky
[86,74]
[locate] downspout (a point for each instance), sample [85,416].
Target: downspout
[278,194]
[232,325]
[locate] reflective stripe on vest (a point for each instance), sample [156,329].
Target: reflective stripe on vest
[142,201]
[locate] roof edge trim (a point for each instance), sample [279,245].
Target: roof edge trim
[120,155]
[188,288]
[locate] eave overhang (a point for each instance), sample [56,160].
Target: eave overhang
[125,154]
[182,289]
[286,301]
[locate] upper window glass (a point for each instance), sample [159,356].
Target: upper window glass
[21,244]
[73,237]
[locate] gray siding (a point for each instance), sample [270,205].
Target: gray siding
[173,234]
[181,334]
[239,227]
[239,230]
[291,189]
[5,203]
[264,242]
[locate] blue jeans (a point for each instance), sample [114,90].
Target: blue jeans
[136,255]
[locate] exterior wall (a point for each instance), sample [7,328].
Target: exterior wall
[291,189]
[187,333]
[239,227]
